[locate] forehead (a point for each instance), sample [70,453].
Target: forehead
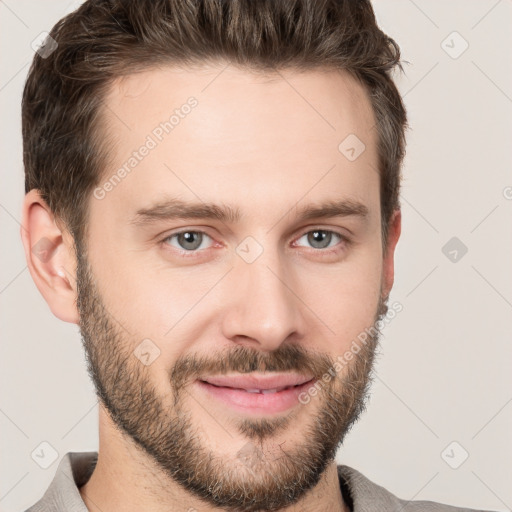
[316,103]
[222,132]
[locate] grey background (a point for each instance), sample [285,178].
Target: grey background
[444,370]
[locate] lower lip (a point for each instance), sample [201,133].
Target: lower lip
[256,402]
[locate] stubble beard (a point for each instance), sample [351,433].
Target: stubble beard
[257,477]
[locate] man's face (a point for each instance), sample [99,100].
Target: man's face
[270,292]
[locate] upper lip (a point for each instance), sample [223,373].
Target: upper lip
[253,381]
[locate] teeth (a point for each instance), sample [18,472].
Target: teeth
[266,391]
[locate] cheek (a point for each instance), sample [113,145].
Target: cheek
[152,305]
[170,307]
[346,297]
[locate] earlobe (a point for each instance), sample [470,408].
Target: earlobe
[395,228]
[50,257]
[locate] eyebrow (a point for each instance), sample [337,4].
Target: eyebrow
[173,208]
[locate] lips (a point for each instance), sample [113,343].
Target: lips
[255,394]
[263,384]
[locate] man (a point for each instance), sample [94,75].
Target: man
[212,195]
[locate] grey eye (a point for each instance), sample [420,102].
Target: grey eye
[320,238]
[188,240]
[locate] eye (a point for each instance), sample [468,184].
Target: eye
[188,241]
[322,238]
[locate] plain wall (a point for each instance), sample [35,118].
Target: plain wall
[443,373]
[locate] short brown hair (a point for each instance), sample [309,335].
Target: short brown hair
[63,153]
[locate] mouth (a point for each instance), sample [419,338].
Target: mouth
[256,394]
[258,382]
[262,391]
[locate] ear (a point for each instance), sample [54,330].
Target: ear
[388,275]
[50,257]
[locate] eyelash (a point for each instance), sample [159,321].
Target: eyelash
[344,241]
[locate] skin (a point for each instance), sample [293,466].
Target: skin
[266,147]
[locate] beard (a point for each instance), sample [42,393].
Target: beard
[259,477]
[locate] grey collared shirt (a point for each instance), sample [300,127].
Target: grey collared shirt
[361,494]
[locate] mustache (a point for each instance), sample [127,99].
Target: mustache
[245,360]
[241,359]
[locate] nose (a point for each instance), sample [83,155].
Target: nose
[263,310]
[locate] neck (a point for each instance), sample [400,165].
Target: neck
[126,479]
